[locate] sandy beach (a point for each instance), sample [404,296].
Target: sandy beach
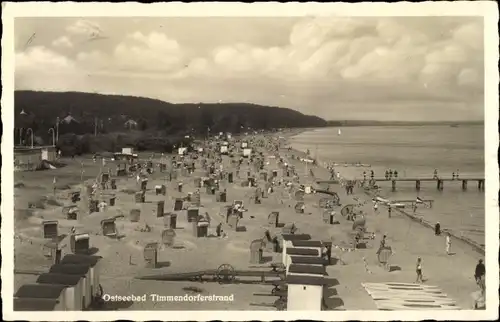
[123,259]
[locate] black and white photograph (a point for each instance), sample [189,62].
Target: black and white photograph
[267,158]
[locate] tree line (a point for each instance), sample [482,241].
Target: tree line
[101,122]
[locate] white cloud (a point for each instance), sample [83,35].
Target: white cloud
[83,27]
[62,41]
[42,59]
[325,60]
[468,76]
[139,53]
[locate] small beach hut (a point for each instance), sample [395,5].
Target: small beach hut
[308,260]
[135,215]
[168,237]
[170,220]
[74,288]
[306,270]
[305,293]
[273,218]
[50,229]
[80,270]
[299,252]
[150,253]
[95,269]
[160,209]
[54,294]
[256,251]
[108,227]
[192,214]
[80,243]
[36,304]
[287,242]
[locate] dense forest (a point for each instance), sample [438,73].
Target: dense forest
[87,121]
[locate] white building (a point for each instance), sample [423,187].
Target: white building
[305,293]
[306,270]
[307,244]
[287,242]
[299,252]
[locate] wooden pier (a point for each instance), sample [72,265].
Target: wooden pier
[439,182]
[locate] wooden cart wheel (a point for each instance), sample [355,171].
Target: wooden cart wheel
[225,273]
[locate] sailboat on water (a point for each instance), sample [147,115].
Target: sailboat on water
[339,132]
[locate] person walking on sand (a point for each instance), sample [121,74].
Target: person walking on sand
[419,271]
[437,229]
[448,243]
[382,244]
[375,207]
[479,273]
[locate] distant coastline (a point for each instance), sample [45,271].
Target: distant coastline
[347,123]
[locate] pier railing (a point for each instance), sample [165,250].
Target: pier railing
[418,181]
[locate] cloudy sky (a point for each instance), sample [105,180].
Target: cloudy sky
[383,68]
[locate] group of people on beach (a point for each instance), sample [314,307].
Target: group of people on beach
[454,175]
[389,174]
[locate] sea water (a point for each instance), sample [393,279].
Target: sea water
[414,151]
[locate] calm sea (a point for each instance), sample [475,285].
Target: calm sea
[414,152]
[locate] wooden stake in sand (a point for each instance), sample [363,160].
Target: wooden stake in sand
[82,172]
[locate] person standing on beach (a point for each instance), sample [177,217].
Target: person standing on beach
[437,229]
[387,174]
[419,271]
[389,211]
[448,243]
[375,207]
[479,273]
[435,174]
[395,174]
[382,244]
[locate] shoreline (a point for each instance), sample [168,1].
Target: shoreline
[477,247]
[208,253]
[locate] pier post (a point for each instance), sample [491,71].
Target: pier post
[464,185]
[393,185]
[440,185]
[417,185]
[480,184]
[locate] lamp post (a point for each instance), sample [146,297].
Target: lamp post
[57,129]
[30,130]
[53,136]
